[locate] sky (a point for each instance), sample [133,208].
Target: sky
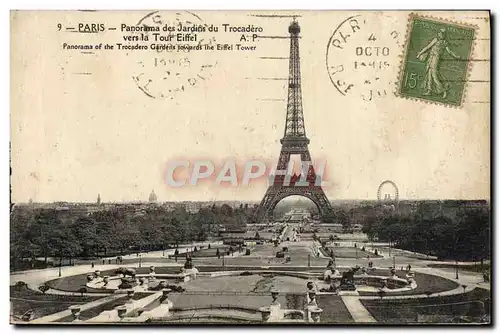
[81,123]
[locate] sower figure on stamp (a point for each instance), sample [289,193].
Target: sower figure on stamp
[431,54]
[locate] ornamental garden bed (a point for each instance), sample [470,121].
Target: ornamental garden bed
[425,283]
[347,253]
[95,311]
[407,310]
[75,282]
[24,300]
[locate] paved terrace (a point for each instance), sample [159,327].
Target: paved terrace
[262,256]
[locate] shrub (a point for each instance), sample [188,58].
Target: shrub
[82,290]
[20,284]
[44,288]
[246,273]
[175,288]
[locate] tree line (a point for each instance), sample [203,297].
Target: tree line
[464,236]
[43,233]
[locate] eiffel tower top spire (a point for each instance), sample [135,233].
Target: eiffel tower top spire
[294,128]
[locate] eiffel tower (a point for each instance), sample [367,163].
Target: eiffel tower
[294,142]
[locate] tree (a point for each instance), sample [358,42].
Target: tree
[65,244]
[329,218]
[463,236]
[40,232]
[82,290]
[21,241]
[177,231]
[226,210]
[202,235]
[44,288]
[344,219]
[84,230]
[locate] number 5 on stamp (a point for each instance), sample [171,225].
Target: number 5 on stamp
[436,60]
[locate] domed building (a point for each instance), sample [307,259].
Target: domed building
[152,197]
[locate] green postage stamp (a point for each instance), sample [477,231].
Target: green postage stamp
[436,60]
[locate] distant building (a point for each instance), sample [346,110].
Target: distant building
[324,227]
[98,199]
[357,227]
[192,207]
[233,237]
[169,206]
[152,197]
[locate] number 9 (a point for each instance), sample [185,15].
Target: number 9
[59,26]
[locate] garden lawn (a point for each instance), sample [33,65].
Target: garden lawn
[24,299]
[406,310]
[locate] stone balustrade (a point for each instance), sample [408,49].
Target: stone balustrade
[314,313]
[158,313]
[131,308]
[75,312]
[274,312]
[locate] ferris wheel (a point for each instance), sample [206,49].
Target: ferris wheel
[388,191]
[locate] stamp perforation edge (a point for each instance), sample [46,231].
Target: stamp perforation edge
[402,57]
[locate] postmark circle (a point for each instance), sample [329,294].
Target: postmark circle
[362,55]
[176,60]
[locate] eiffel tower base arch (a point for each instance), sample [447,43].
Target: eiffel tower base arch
[275,194]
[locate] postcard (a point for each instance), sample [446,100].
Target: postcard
[250,167]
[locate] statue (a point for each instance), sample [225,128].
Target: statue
[158,286]
[127,282]
[105,280]
[274,296]
[152,273]
[125,272]
[188,264]
[347,280]
[312,298]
